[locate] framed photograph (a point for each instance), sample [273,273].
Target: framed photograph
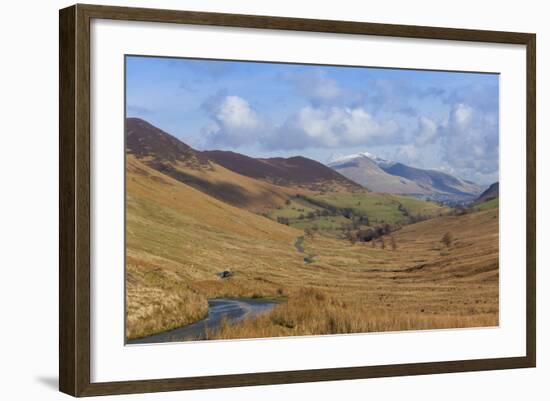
[249,200]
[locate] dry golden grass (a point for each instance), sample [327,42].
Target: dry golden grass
[254,195]
[178,239]
[312,312]
[152,297]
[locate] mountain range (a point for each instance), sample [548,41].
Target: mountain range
[380,175]
[260,183]
[256,184]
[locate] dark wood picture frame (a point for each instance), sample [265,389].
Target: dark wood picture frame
[74,199]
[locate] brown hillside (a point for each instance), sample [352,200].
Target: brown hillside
[147,141]
[293,171]
[178,238]
[171,157]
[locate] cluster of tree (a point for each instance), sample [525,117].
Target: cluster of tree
[283,220]
[369,234]
[417,218]
[355,223]
[326,209]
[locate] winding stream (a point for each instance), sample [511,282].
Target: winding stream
[232,310]
[299,245]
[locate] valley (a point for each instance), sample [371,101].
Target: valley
[329,255]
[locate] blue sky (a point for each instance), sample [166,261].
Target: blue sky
[429,119]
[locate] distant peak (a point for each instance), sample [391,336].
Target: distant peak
[361,155]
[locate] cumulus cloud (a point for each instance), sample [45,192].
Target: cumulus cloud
[465,143]
[330,127]
[461,137]
[470,140]
[233,121]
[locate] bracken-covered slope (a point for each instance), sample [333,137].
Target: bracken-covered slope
[170,156]
[292,171]
[144,140]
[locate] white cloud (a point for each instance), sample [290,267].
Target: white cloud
[331,127]
[469,140]
[466,143]
[462,115]
[235,113]
[234,122]
[407,154]
[427,131]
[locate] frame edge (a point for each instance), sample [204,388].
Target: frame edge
[74,200]
[531,202]
[67,266]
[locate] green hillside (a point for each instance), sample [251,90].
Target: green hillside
[330,211]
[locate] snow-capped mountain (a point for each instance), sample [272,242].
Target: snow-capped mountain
[381,175]
[378,160]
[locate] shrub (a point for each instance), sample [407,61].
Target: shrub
[447,239]
[283,220]
[366,235]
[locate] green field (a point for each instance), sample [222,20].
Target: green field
[333,211]
[293,209]
[490,204]
[322,223]
[383,208]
